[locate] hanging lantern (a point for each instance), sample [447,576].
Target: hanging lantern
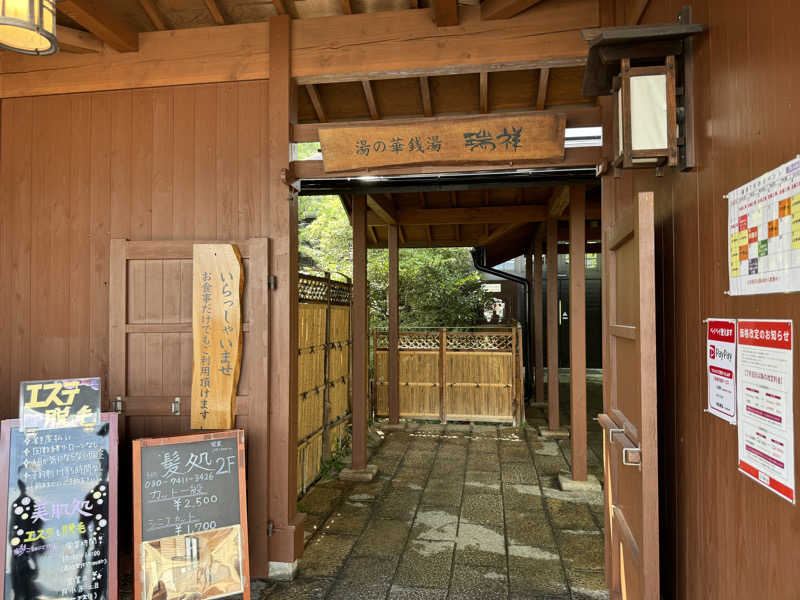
[28,26]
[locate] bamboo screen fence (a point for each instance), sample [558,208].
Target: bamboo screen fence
[323,373]
[450,375]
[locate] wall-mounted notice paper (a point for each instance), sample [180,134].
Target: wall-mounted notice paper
[766,418]
[764,233]
[721,368]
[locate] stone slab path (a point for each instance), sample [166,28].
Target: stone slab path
[457,511]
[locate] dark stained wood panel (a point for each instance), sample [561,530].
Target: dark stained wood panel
[744,86]
[456,94]
[166,163]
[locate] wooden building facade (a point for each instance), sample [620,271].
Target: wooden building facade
[166,125]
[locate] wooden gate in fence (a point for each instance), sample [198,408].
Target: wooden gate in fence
[450,375]
[324,345]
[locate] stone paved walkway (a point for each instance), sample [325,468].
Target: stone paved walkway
[457,511]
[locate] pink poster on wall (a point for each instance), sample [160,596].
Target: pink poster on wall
[764,393]
[721,368]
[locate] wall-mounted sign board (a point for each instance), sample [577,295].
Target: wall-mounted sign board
[457,141]
[765,406]
[190,517]
[59,403]
[721,368]
[217,283]
[59,489]
[764,233]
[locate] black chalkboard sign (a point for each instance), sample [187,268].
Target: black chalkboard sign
[60,529]
[190,517]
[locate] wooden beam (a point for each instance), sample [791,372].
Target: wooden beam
[392,44]
[346,7]
[372,235]
[359,322]
[370,97]
[444,12]
[505,9]
[577,330]
[154,14]
[317,102]
[638,12]
[541,93]
[394,325]
[413,4]
[285,7]
[538,317]
[559,200]
[577,116]
[77,41]
[501,232]
[484,91]
[280,412]
[94,16]
[216,14]
[471,215]
[552,325]
[423,204]
[425,92]
[383,208]
[454,203]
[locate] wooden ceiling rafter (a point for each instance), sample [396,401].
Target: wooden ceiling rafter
[316,101]
[347,8]
[501,232]
[425,93]
[444,12]
[484,91]
[372,105]
[214,10]
[383,208]
[559,200]
[423,204]
[468,215]
[286,7]
[77,41]
[541,91]
[372,235]
[638,12]
[154,14]
[505,9]
[95,17]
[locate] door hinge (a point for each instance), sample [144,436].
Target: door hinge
[176,405]
[272,282]
[116,406]
[270,528]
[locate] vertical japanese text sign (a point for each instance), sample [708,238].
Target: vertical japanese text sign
[216,334]
[721,365]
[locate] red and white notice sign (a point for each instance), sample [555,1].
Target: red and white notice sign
[721,368]
[766,416]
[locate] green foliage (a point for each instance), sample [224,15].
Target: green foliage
[439,287]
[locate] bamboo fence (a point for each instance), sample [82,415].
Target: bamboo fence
[453,375]
[324,346]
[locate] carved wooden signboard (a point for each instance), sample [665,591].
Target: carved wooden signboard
[216,334]
[59,490]
[473,140]
[190,517]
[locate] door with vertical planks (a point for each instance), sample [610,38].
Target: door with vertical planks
[629,421]
[150,349]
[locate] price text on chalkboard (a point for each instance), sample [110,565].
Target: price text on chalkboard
[190,516]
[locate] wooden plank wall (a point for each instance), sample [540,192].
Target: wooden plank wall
[723,536]
[78,170]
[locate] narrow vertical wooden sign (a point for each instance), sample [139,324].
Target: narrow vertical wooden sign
[216,334]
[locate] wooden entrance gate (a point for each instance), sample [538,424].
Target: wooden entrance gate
[150,355]
[630,401]
[453,375]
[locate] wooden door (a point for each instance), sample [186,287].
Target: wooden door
[150,351]
[629,420]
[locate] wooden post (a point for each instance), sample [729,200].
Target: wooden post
[552,323]
[520,380]
[359,320]
[538,333]
[394,324]
[286,541]
[577,329]
[375,387]
[514,376]
[442,374]
[326,392]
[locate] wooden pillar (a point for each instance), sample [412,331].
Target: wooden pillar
[552,323]
[394,325]
[286,542]
[360,328]
[577,329]
[538,333]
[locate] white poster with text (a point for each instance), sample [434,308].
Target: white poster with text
[721,368]
[764,399]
